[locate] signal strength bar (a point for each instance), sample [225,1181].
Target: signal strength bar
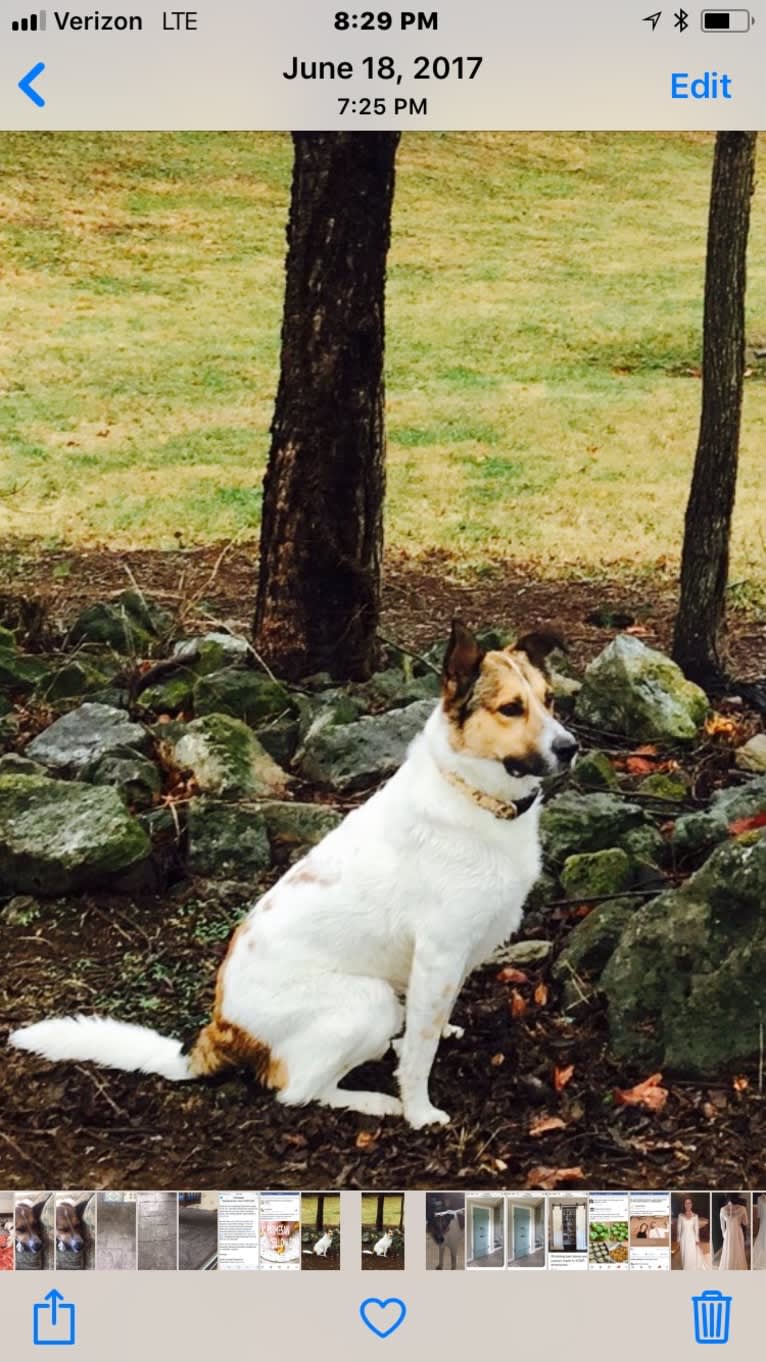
[33,23]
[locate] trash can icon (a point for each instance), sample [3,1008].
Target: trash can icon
[712,1317]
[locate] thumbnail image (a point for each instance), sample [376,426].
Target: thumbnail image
[484,1230]
[238,1247]
[116,1231]
[567,1230]
[197,1231]
[320,1231]
[75,1231]
[6,1231]
[730,1231]
[383,1231]
[525,1235]
[33,1239]
[758,1222]
[690,1231]
[445,1231]
[280,1231]
[650,1231]
[608,1231]
[157,1220]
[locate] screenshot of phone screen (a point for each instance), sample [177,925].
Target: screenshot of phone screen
[382,680]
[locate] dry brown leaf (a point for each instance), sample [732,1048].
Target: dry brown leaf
[501,1165]
[647,1094]
[497,1060]
[541,995]
[509,975]
[740,825]
[548,1178]
[545,1123]
[366,1139]
[741,1084]
[562,1076]
[519,1005]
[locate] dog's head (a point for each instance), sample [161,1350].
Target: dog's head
[69,1229]
[27,1232]
[499,704]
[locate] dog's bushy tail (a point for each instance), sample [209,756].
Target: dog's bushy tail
[115,1044]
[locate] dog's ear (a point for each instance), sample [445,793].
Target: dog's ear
[539,644]
[462,661]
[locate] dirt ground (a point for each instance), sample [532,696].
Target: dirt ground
[153,959]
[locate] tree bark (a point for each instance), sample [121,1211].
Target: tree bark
[698,642]
[318,598]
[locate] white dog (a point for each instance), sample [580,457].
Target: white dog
[410,893]
[323,1245]
[383,1244]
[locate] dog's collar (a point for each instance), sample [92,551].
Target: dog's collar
[505,809]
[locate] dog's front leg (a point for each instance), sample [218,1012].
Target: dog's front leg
[433,987]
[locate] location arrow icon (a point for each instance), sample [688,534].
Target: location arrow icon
[653,19]
[26,84]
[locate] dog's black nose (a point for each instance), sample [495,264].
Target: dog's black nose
[565,749]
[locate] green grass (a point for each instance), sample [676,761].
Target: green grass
[544,305]
[330,1214]
[392,1209]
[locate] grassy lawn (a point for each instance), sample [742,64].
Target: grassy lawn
[330,1214]
[392,1209]
[544,311]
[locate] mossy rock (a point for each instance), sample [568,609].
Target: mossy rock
[129,624]
[85,734]
[227,840]
[639,692]
[574,823]
[132,774]
[593,941]
[57,836]
[69,679]
[591,874]
[224,756]
[664,785]
[700,831]
[296,825]
[594,771]
[247,695]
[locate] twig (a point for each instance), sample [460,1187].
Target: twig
[102,1089]
[392,643]
[22,1155]
[606,898]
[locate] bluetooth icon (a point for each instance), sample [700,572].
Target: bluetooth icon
[682,20]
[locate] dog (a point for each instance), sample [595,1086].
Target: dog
[323,1245]
[410,893]
[70,1234]
[382,1245]
[27,1230]
[447,1229]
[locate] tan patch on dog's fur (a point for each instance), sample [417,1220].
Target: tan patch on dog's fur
[479,728]
[222,1045]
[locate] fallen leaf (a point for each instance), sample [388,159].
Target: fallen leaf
[562,1076]
[548,1178]
[647,749]
[647,1094]
[740,825]
[509,975]
[497,1060]
[501,1165]
[721,726]
[366,1139]
[541,995]
[741,1084]
[639,766]
[519,1005]
[637,630]
[545,1123]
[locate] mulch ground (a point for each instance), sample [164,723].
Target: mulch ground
[153,958]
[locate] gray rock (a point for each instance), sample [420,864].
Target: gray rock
[247,695]
[391,689]
[19,673]
[58,836]
[224,756]
[228,840]
[279,738]
[574,823]
[665,786]
[752,755]
[214,647]
[647,851]
[135,776]
[291,826]
[594,940]
[522,953]
[349,756]
[686,985]
[85,734]
[639,692]
[170,695]
[590,874]
[696,832]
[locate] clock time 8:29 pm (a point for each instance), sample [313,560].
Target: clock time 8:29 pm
[367,20]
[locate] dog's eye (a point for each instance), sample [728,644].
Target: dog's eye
[512,710]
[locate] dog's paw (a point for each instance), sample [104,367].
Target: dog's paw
[426,1116]
[450,1032]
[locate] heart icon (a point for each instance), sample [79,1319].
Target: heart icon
[383,1317]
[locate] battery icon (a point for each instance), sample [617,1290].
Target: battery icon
[726,20]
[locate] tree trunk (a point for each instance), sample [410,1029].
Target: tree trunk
[698,642]
[320,1212]
[322,530]
[380,1213]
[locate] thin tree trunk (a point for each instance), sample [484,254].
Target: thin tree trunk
[320,1212]
[380,1213]
[698,643]
[318,598]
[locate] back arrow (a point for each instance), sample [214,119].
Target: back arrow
[26,87]
[653,19]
